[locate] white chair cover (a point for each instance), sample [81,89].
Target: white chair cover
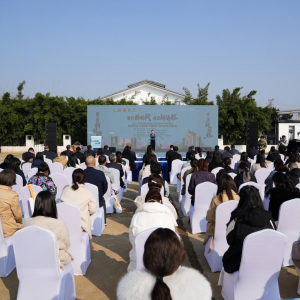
[282,157]
[289,224]
[145,190]
[232,175]
[7,257]
[181,182]
[48,161]
[108,197]
[259,270]
[219,246]
[203,195]
[116,185]
[215,171]
[298,186]
[178,181]
[186,199]
[19,184]
[25,195]
[83,166]
[80,243]
[25,168]
[60,180]
[38,269]
[258,186]
[98,218]
[56,168]
[261,175]
[32,172]
[174,170]
[1,170]
[68,172]
[271,166]
[236,157]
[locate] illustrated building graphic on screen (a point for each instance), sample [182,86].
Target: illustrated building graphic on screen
[96,130]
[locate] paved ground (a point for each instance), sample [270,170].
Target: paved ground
[110,256]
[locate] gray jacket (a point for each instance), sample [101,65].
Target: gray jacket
[107,172]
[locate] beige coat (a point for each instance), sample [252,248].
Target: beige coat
[10,211]
[85,200]
[211,214]
[256,167]
[59,228]
[61,159]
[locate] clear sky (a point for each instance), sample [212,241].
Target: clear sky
[93,48]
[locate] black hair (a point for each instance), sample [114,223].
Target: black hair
[39,156]
[78,149]
[190,156]
[244,156]
[227,163]
[199,151]
[45,205]
[156,168]
[30,149]
[78,177]
[89,147]
[14,164]
[43,167]
[283,181]
[72,162]
[106,147]
[217,158]
[102,159]
[232,146]
[246,174]
[171,146]
[227,149]
[64,153]
[87,154]
[175,148]
[149,159]
[217,148]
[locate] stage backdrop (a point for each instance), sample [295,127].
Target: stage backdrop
[179,125]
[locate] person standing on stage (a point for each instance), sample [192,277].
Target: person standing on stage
[152,139]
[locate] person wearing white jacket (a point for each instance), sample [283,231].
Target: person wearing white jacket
[150,214]
[163,277]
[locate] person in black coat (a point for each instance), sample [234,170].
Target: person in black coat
[29,153]
[68,151]
[244,175]
[90,151]
[173,156]
[249,216]
[227,169]
[49,154]
[294,173]
[209,157]
[14,164]
[226,153]
[80,155]
[170,151]
[106,150]
[191,151]
[5,164]
[273,154]
[130,155]
[283,191]
[216,161]
[97,178]
[114,165]
[252,151]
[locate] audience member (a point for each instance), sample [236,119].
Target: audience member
[102,167]
[99,153]
[226,153]
[249,216]
[199,153]
[209,157]
[146,170]
[189,157]
[294,173]
[130,155]
[10,210]
[273,154]
[72,162]
[233,151]
[28,159]
[226,168]
[283,191]
[45,216]
[191,151]
[29,153]
[244,158]
[149,152]
[39,158]
[90,150]
[49,154]
[202,175]
[150,214]
[83,198]
[243,175]
[252,151]
[217,149]
[62,159]
[294,158]
[172,156]
[121,161]
[106,151]
[164,277]
[80,155]
[14,164]
[169,152]
[114,165]
[97,178]
[194,168]
[226,191]
[260,163]
[43,179]
[216,161]
[68,151]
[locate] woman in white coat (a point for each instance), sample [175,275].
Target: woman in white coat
[150,214]
[164,278]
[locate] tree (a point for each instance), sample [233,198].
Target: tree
[20,89]
[202,96]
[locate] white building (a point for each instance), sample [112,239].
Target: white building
[145,91]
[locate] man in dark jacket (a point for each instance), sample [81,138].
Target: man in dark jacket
[252,151]
[273,154]
[68,151]
[80,155]
[226,153]
[294,173]
[173,156]
[233,151]
[169,151]
[49,154]
[97,178]
[114,165]
[130,155]
[106,151]
[191,151]
[92,152]
[29,153]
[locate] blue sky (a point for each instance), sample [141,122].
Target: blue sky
[94,48]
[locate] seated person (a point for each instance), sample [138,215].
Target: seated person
[226,191]
[62,159]
[216,161]
[273,154]
[28,159]
[29,154]
[163,276]
[114,165]
[192,151]
[283,191]
[226,153]
[102,167]
[243,175]
[80,155]
[6,161]
[227,169]
[252,151]
[14,164]
[249,216]
[10,210]
[82,197]
[99,153]
[90,151]
[39,158]
[43,180]
[72,162]
[194,165]
[189,156]
[233,151]
[294,173]
[45,216]
[150,214]
[244,158]
[49,154]
[173,156]
[146,169]
[260,163]
[202,175]
[199,153]
[209,157]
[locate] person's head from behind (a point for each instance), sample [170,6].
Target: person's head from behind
[217,159]
[87,154]
[243,168]
[78,149]
[292,166]
[244,156]
[199,151]
[279,165]
[90,162]
[89,147]
[78,177]
[8,177]
[226,149]
[39,156]
[68,147]
[249,199]
[163,255]
[100,151]
[232,146]
[155,182]
[194,164]
[260,159]
[102,160]
[175,149]
[209,154]
[190,156]
[14,164]
[149,150]
[273,150]
[283,181]
[45,205]
[284,137]
[7,159]
[72,162]
[119,157]
[28,158]
[171,147]
[150,159]
[106,147]
[31,150]
[293,157]
[226,163]
[217,148]
[153,196]
[202,165]
[43,168]
[192,148]
[156,168]
[63,154]
[112,158]
[226,184]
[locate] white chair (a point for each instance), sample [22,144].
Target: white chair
[260,266]
[48,161]
[68,172]
[232,175]
[116,185]
[60,180]
[32,172]
[298,186]
[261,175]
[80,244]
[282,157]
[129,172]
[83,166]
[7,257]
[1,170]
[289,224]
[215,171]
[19,184]
[98,218]
[38,267]
[174,170]
[140,241]
[186,199]
[78,161]
[56,168]
[271,166]
[203,195]
[219,246]
[25,168]
[258,186]
[236,157]
[108,197]
[180,182]
[25,195]
[145,190]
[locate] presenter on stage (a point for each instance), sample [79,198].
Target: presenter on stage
[152,139]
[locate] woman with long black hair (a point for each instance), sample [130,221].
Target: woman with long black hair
[226,168]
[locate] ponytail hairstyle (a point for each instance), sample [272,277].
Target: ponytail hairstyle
[246,174]
[163,255]
[194,165]
[72,162]
[78,177]
[226,164]
[155,182]
[153,196]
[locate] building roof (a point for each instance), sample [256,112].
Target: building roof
[146,82]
